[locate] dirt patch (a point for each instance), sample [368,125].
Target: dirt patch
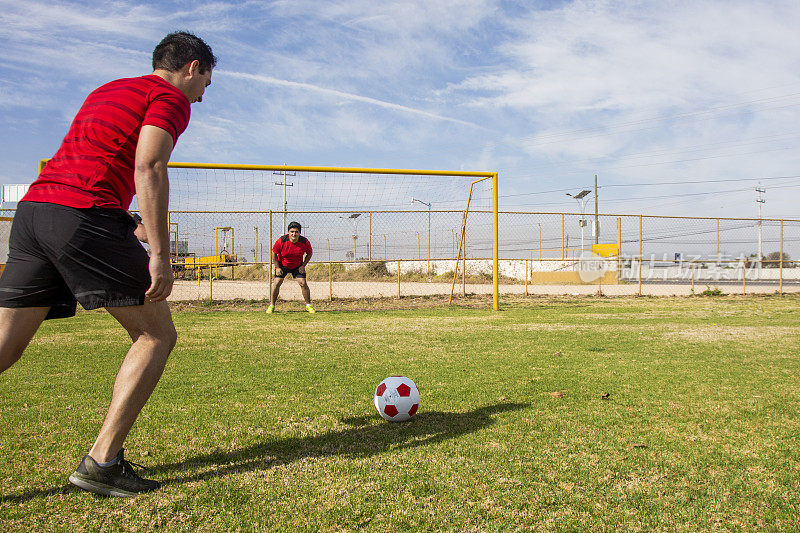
[713,333]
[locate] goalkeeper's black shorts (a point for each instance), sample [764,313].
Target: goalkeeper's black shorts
[295,272]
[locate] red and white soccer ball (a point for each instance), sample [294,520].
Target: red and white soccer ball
[397,399]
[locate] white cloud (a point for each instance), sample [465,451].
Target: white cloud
[589,85]
[341,95]
[632,90]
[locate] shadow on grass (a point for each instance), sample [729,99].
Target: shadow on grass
[66,488]
[363,439]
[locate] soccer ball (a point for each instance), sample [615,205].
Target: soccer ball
[397,399]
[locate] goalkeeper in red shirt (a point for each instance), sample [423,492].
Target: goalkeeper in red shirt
[290,254]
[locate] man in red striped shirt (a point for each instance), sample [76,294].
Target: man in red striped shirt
[73,240]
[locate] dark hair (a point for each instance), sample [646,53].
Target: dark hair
[295,225]
[179,48]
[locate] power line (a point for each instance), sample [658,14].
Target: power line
[655,184]
[686,182]
[673,195]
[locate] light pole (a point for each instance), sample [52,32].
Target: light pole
[354,218]
[581,199]
[285,184]
[429,229]
[540,241]
[255,249]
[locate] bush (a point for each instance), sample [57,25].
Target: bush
[773,260]
[368,271]
[716,291]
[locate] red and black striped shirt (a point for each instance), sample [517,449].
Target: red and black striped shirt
[94,165]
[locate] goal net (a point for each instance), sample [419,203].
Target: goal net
[375,233]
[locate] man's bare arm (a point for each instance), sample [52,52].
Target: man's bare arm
[152,192]
[276,263]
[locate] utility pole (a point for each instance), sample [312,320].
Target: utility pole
[596,215]
[596,229]
[285,184]
[760,201]
[255,250]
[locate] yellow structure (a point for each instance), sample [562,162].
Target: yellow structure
[209,261]
[606,250]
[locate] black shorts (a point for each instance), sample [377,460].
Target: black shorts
[58,255]
[295,272]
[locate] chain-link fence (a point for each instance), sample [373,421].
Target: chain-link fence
[631,254]
[394,254]
[397,254]
[6,216]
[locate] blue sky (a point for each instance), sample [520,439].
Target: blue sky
[679,107]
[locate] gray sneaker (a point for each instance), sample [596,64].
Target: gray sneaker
[119,479]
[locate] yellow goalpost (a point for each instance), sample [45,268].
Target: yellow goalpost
[336,202]
[493,176]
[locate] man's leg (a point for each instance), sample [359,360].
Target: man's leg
[304,289]
[153,333]
[17,327]
[276,290]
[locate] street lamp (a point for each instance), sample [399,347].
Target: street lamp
[429,228]
[581,199]
[354,218]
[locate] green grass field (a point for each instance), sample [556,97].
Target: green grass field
[267,423]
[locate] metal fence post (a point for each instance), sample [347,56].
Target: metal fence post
[464,270]
[429,240]
[619,248]
[330,272]
[781,263]
[269,278]
[526,276]
[640,255]
[744,277]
